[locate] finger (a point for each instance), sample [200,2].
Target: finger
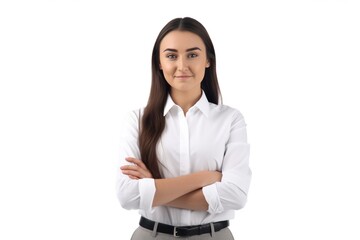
[130,160]
[131,167]
[135,171]
[133,177]
[136,161]
[140,166]
[126,171]
[131,173]
[143,172]
[126,167]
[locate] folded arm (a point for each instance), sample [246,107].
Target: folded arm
[181,192]
[231,192]
[194,200]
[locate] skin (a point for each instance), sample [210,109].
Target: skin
[183,61]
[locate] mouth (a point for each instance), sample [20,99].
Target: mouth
[183,76]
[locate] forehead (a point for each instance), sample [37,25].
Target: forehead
[181,40]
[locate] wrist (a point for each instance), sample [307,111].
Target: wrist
[208,177]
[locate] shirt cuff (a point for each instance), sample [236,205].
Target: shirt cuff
[147,192]
[212,197]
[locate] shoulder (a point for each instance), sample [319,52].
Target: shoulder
[132,117]
[134,113]
[227,116]
[226,111]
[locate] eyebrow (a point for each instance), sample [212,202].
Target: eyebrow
[187,50]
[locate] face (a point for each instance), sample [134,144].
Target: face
[183,61]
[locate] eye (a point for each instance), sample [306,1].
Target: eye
[192,55]
[171,56]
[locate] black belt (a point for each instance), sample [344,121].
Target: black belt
[183,231]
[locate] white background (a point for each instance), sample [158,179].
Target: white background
[70,69]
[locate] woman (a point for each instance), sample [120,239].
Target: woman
[185,157]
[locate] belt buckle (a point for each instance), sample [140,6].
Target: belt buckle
[175,233]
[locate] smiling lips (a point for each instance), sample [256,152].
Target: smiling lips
[183,76]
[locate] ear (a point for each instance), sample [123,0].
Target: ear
[207,63]
[160,66]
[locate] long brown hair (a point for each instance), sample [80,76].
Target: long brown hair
[153,120]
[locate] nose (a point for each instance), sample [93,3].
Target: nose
[182,64]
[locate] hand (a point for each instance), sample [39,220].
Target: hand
[137,170]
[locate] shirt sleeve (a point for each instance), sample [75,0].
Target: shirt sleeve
[132,194]
[231,192]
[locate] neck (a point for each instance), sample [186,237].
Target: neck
[185,99]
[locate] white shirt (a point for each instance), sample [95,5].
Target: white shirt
[209,137]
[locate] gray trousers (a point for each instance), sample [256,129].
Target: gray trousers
[145,234]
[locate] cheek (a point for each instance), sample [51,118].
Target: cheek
[168,69]
[167,72]
[200,71]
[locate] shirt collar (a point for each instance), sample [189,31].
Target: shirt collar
[202,104]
